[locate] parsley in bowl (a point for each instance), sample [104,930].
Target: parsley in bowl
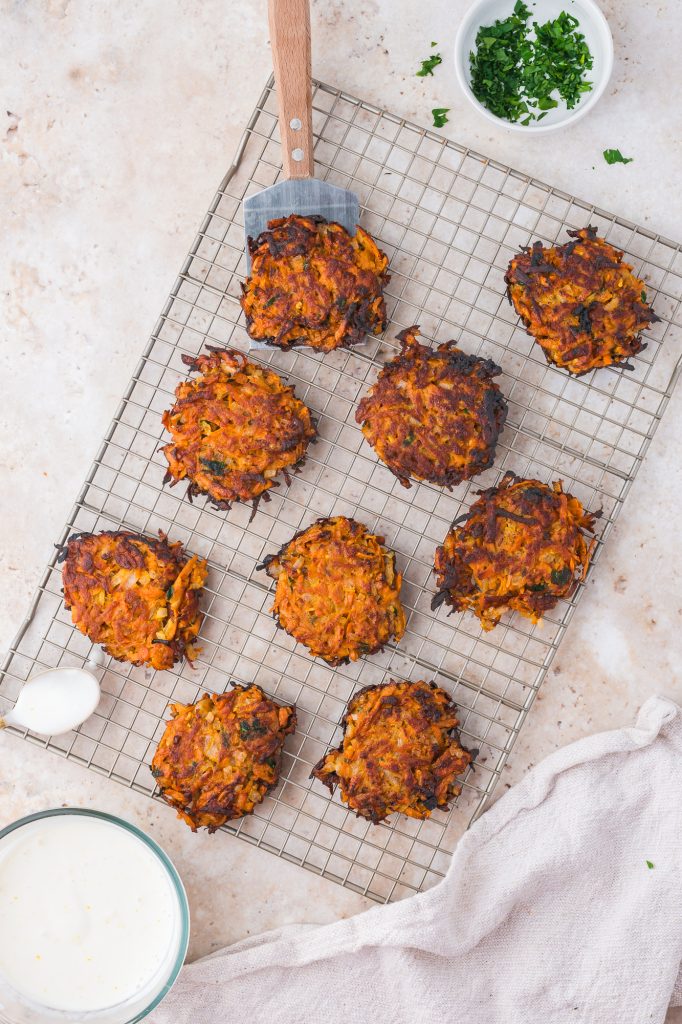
[536,66]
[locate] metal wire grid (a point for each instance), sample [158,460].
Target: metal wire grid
[450,220]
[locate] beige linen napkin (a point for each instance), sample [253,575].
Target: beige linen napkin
[549,913]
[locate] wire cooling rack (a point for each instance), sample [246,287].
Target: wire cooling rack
[450,220]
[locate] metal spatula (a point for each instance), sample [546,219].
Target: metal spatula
[300,192]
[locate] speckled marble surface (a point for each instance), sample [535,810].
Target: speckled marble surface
[122,119]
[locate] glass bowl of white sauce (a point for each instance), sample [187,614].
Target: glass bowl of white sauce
[94,921]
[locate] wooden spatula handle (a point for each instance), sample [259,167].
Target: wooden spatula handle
[290,40]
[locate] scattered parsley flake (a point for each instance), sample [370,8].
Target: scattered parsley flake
[429,64]
[519,77]
[643,296]
[614,156]
[650,864]
[434,44]
[440,116]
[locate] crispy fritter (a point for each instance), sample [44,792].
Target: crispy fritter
[312,283]
[520,547]
[337,590]
[136,596]
[581,303]
[234,428]
[218,758]
[400,752]
[434,414]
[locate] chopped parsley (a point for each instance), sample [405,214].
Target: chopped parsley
[440,116]
[429,64]
[253,728]
[520,71]
[614,156]
[214,466]
[650,864]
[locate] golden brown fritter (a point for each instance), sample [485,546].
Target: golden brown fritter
[218,758]
[400,752]
[434,414]
[136,596]
[234,428]
[521,547]
[337,590]
[580,302]
[312,283]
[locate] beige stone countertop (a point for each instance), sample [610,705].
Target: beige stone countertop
[122,118]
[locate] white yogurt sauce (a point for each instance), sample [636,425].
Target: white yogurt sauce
[88,915]
[55,702]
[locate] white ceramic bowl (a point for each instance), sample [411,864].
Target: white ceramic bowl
[594,27]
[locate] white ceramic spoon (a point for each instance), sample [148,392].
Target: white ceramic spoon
[55,701]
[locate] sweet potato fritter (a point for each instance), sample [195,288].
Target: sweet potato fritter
[337,590]
[218,758]
[400,752]
[312,283]
[434,414]
[234,429]
[580,302]
[136,596]
[521,547]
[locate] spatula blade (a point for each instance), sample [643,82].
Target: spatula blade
[304,196]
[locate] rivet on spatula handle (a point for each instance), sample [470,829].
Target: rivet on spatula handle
[290,40]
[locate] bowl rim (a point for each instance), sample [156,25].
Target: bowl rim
[178,888]
[535,129]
